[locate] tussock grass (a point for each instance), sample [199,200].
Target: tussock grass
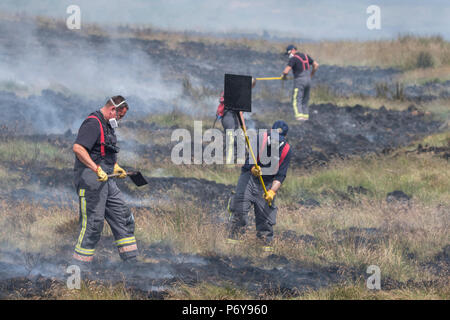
[424,177]
[405,52]
[218,173]
[399,230]
[179,119]
[437,140]
[207,291]
[360,292]
[33,228]
[93,290]
[421,76]
[90,290]
[439,108]
[186,227]
[24,152]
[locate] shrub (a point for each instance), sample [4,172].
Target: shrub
[424,60]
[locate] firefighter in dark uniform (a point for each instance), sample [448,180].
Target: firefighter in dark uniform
[96,157]
[250,191]
[304,68]
[230,123]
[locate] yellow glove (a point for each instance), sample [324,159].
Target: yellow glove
[269,197]
[283,76]
[102,176]
[118,170]
[256,171]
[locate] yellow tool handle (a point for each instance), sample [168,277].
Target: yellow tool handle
[272,78]
[253,155]
[256,164]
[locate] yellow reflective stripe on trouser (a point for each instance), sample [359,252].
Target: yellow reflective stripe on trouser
[294,102]
[125,241]
[87,252]
[302,115]
[78,247]
[230,147]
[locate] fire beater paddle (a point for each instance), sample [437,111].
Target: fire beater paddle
[137,177]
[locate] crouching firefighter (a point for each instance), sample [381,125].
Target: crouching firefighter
[249,190]
[96,157]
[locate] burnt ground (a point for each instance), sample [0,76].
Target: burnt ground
[166,269]
[337,132]
[32,275]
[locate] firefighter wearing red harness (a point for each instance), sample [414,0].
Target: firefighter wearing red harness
[96,156]
[250,191]
[230,123]
[303,67]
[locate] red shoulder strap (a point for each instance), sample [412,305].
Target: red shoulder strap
[284,154]
[263,145]
[304,62]
[102,135]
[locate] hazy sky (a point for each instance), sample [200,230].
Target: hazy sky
[313,19]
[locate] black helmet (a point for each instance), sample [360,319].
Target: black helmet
[289,48]
[282,126]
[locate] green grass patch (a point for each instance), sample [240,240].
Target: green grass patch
[424,177]
[24,152]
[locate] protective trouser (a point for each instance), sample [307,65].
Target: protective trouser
[250,191]
[99,201]
[230,123]
[300,96]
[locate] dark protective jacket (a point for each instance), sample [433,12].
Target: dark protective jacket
[103,153]
[284,159]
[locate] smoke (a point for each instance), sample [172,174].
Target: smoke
[59,76]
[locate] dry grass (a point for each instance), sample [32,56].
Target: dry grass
[24,152]
[208,291]
[34,228]
[421,230]
[360,292]
[90,290]
[421,76]
[404,51]
[425,177]
[94,290]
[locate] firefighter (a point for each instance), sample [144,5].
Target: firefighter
[230,123]
[249,191]
[303,68]
[96,157]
